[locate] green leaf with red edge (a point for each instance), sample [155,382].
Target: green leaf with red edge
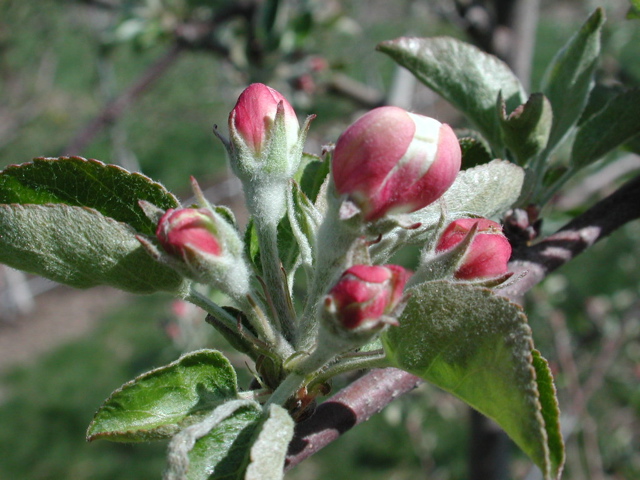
[478,346]
[75,181]
[159,403]
[80,247]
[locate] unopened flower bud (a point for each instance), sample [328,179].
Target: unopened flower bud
[486,256]
[365,297]
[392,161]
[183,231]
[207,248]
[252,121]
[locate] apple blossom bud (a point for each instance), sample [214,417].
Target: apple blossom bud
[488,253]
[253,118]
[366,296]
[392,161]
[185,230]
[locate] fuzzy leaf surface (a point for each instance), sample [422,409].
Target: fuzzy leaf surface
[80,247]
[569,77]
[157,403]
[486,190]
[617,123]
[238,441]
[478,346]
[463,75]
[109,189]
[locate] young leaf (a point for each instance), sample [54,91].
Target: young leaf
[237,441]
[617,123]
[269,448]
[569,77]
[80,247]
[217,446]
[526,129]
[157,403]
[463,75]
[474,151]
[485,190]
[478,346]
[313,176]
[75,181]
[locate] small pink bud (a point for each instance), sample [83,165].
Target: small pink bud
[488,254]
[188,229]
[393,161]
[254,114]
[364,294]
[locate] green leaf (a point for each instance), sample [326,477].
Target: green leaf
[569,77]
[617,123]
[526,130]
[634,10]
[313,176]
[80,247]
[218,446]
[237,441]
[474,151]
[486,190]
[478,346]
[463,75]
[75,181]
[158,403]
[269,448]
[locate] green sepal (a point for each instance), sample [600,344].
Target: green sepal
[80,247]
[462,74]
[75,181]
[569,77]
[478,346]
[157,404]
[526,130]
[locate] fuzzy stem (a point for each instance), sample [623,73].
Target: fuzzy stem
[334,241]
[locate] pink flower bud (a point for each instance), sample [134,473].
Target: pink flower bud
[254,114]
[488,254]
[364,294]
[392,161]
[188,229]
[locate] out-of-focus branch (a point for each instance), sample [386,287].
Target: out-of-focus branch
[372,392]
[114,109]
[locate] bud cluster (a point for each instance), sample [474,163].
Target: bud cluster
[386,165]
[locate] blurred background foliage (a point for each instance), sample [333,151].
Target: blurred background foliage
[158,74]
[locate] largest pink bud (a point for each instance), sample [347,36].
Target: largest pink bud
[393,161]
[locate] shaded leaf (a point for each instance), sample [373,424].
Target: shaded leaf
[157,403]
[80,247]
[618,122]
[462,74]
[569,77]
[75,181]
[218,446]
[478,346]
[474,152]
[314,175]
[526,130]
